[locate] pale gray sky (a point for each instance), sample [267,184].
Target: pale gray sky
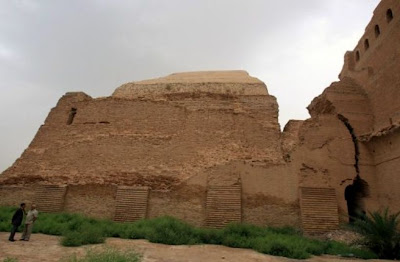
[50,47]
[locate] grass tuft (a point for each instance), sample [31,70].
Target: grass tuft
[10,259]
[107,255]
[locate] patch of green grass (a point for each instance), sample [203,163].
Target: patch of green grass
[10,259]
[6,214]
[77,230]
[337,248]
[107,255]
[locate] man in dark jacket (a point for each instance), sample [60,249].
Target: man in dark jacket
[16,221]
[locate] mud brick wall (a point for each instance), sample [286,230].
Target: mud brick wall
[15,195]
[134,142]
[375,66]
[91,200]
[386,151]
[187,203]
[259,209]
[183,133]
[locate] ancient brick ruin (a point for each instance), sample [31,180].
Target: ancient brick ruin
[206,147]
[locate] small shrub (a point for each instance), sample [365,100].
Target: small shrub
[49,227]
[111,229]
[139,230]
[107,255]
[171,231]
[76,224]
[285,230]
[243,230]
[209,236]
[71,239]
[276,247]
[380,233]
[236,241]
[90,235]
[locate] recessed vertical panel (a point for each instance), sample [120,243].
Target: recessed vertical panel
[131,204]
[224,205]
[50,198]
[319,209]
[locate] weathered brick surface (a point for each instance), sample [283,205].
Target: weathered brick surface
[50,198]
[319,209]
[160,134]
[91,200]
[15,195]
[182,134]
[131,204]
[148,142]
[355,123]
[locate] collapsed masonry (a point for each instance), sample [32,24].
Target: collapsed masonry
[206,147]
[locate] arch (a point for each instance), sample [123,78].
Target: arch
[357,56]
[377,31]
[354,195]
[366,44]
[389,15]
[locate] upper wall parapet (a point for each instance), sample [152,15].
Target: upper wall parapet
[215,82]
[375,62]
[382,25]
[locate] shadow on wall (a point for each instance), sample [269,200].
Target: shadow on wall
[354,195]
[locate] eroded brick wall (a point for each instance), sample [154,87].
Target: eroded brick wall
[177,145]
[91,200]
[377,67]
[15,195]
[149,143]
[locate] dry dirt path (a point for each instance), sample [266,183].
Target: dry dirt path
[45,248]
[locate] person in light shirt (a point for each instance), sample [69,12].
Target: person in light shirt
[29,221]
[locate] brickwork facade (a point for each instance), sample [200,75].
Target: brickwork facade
[186,135]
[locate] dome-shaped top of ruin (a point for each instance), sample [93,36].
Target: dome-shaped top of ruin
[235,82]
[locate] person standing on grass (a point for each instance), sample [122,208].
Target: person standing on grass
[29,221]
[16,220]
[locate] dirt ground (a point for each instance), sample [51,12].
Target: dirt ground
[45,248]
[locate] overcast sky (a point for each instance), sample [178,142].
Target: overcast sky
[48,48]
